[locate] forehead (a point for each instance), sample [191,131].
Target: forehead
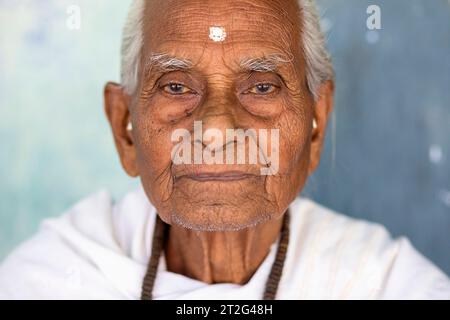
[252,28]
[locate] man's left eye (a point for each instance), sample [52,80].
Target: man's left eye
[262,88]
[176,88]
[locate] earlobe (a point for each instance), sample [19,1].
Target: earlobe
[117,103]
[321,113]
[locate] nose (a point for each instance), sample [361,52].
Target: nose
[217,115]
[219,112]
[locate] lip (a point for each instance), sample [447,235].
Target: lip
[219,176]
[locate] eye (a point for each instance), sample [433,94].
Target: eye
[176,89]
[262,88]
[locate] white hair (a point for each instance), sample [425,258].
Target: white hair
[319,67]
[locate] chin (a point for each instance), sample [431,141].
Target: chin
[215,217]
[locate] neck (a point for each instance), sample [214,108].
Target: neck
[220,257]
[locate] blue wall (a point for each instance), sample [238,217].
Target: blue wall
[390,162]
[387,157]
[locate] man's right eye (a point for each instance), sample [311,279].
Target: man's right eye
[176,89]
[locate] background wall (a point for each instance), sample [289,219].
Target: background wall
[387,157]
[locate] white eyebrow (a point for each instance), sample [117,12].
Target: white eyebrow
[265,64]
[165,62]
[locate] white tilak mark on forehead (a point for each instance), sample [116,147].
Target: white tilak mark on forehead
[217,34]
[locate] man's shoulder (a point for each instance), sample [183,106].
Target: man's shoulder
[334,229]
[70,255]
[357,256]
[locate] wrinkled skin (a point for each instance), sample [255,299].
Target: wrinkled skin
[223,96]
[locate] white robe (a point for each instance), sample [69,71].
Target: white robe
[100,250]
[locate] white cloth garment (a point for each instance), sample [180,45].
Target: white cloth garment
[100,250]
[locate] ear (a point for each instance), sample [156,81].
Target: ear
[117,103]
[322,111]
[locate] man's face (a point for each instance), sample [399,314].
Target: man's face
[218,91]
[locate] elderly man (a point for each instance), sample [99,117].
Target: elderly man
[218,215]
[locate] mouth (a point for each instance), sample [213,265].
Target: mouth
[218,176]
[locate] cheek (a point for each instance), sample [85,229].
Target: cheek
[156,120]
[294,144]
[154,160]
[293,157]
[295,137]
